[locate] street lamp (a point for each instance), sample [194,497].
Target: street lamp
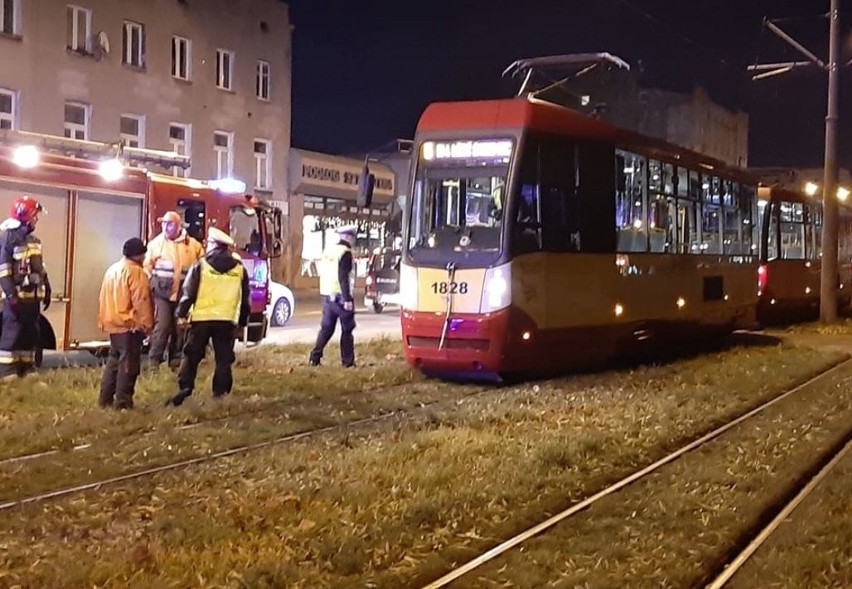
[811,188]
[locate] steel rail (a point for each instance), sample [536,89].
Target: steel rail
[248,412]
[518,539]
[244,449]
[192,461]
[737,563]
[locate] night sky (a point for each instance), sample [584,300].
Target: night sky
[363,71]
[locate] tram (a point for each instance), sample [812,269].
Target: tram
[540,239]
[790,267]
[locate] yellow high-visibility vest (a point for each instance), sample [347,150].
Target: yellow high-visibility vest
[219,294]
[328,271]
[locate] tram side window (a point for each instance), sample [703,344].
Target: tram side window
[526,231]
[735,224]
[711,229]
[661,223]
[546,209]
[559,206]
[816,221]
[746,199]
[792,231]
[631,198]
[687,227]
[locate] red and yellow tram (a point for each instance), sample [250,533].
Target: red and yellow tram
[791,256]
[538,239]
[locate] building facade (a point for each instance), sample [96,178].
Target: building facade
[210,79]
[691,120]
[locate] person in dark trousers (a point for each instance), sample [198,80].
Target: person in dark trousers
[214,300]
[170,256]
[23,279]
[126,313]
[337,289]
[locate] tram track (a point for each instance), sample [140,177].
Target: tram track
[156,427]
[515,541]
[251,447]
[807,486]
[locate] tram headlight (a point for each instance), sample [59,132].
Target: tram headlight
[497,292]
[408,286]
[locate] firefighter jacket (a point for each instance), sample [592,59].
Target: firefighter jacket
[336,276]
[22,271]
[125,299]
[168,261]
[216,289]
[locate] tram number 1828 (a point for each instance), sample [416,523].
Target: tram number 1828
[449,287]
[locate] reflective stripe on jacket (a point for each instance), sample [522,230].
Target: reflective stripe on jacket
[330,268]
[22,271]
[219,294]
[167,262]
[125,299]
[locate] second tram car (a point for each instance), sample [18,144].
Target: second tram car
[791,253]
[540,239]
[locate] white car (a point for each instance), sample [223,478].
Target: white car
[281,304]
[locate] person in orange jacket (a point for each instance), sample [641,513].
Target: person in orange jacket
[126,314]
[170,256]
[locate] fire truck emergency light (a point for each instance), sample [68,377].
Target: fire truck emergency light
[26,156]
[111,170]
[228,185]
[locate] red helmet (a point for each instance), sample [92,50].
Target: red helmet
[25,208]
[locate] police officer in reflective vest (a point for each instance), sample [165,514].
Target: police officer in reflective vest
[215,299]
[337,289]
[170,256]
[23,279]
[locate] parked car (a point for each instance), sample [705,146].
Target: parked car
[281,304]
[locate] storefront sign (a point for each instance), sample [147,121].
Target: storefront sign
[336,177]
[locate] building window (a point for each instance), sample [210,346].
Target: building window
[9,16]
[262,86]
[133,44]
[223,146]
[78,29]
[77,120]
[180,139]
[224,68]
[132,130]
[263,164]
[181,58]
[8,109]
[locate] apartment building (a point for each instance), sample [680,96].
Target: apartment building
[205,78]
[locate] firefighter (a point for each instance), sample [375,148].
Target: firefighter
[126,313]
[337,289]
[24,282]
[214,301]
[169,257]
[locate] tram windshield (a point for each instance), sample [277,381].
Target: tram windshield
[458,200]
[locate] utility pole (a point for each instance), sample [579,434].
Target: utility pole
[828,272]
[828,276]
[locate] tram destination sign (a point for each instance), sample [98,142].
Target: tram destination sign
[493,150]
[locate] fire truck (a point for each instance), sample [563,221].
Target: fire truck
[95,202]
